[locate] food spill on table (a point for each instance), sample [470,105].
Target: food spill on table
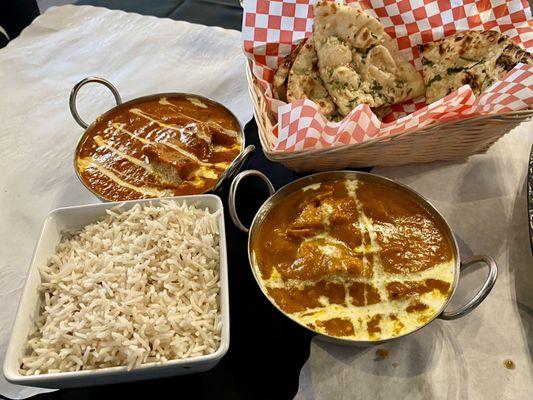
[509,364]
[381,354]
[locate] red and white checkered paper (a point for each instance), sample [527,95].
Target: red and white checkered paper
[272,28]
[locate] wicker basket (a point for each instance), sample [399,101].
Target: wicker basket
[440,142]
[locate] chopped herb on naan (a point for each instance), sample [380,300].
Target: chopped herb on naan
[474,58]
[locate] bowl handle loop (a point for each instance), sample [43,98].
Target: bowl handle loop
[78,86]
[233,192]
[235,166]
[481,294]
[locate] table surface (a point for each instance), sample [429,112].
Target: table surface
[267,350]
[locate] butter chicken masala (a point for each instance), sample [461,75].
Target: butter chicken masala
[167,146]
[354,259]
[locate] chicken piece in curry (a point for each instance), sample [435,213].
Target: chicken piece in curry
[354,259]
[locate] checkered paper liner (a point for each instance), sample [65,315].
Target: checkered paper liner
[273,28]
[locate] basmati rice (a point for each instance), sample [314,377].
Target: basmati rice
[140,286]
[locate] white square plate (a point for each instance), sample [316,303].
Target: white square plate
[69,218]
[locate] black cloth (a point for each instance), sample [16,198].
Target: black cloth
[3,39]
[15,15]
[267,350]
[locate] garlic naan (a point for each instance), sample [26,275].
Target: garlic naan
[304,81]
[358,62]
[279,84]
[475,58]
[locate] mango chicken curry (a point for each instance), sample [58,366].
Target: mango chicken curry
[354,259]
[168,146]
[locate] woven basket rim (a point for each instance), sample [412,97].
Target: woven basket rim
[424,131]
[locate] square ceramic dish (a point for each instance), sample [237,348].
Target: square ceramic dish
[69,218]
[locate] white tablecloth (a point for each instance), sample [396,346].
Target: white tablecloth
[140,55]
[484,200]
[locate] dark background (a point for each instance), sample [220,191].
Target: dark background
[267,350]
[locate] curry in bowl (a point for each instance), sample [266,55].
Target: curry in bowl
[354,259]
[157,146]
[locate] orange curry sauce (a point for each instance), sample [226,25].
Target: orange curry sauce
[163,147]
[329,246]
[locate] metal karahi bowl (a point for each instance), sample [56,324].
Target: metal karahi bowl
[277,197]
[234,167]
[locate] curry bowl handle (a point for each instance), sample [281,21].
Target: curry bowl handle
[481,294]
[235,166]
[76,89]
[233,191]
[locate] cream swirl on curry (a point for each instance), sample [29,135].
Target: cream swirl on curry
[167,146]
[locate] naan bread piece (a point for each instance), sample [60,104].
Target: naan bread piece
[305,83]
[358,62]
[476,58]
[279,84]
[512,54]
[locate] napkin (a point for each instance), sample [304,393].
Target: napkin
[484,200]
[140,56]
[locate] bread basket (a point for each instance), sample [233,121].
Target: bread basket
[455,140]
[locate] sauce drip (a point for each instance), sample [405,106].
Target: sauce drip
[509,364]
[381,354]
[162,147]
